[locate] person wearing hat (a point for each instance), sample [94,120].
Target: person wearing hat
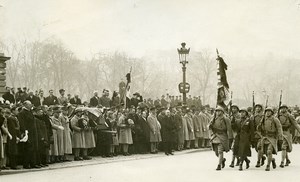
[185,128]
[94,101]
[105,100]
[221,136]
[62,99]
[78,141]
[256,118]
[296,114]
[205,118]
[57,148]
[198,130]
[135,99]
[155,136]
[234,119]
[6,136]
[33,99]
[190,126]
[271,131]
[287,122]
[179,126]
[28,125]
[168,132]
[14,129]
[67,141]
[43,140]
[125,134]
[51,99]
[75,100]
[243,138]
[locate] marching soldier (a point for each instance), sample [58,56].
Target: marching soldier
[256,119]
[235,119]
[244,129]
[222,135]
[271,132]
[287,122]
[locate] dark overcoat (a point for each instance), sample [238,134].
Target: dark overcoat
[168,129]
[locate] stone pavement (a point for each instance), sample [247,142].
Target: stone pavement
[99,160]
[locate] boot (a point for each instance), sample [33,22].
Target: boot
[263,160]
[257,164]
[287,162]
[232,164]
[240,167]
[247,163]
[237,162]
[273,164]
[223,163]
[219,167]
[281,165]
[267,168]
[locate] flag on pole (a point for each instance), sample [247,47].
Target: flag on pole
[223,86]
[127,94]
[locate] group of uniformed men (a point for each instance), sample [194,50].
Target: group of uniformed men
[266,130]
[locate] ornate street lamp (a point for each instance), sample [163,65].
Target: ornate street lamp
[184,87]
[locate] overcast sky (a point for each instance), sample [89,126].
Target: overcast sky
[237,27]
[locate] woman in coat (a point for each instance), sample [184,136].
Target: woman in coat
[78,141]
[179,126]
[185,129]
[198,129]
[14,129]
[125,135]
[57,148]
[89,138]
[66,133]
[190,126]
[244,130]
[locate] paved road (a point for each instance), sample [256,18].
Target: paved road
[194,166]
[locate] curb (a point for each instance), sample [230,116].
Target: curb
[99,160]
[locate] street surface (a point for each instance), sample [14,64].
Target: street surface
[195,165]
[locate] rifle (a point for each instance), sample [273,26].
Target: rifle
[253,102]
[280,98]
[267,101]
[230,104]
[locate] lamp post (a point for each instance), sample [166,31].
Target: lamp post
[184,87]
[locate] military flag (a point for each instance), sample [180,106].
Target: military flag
[223,86]
[125,96]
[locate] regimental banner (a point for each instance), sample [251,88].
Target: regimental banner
[223,86]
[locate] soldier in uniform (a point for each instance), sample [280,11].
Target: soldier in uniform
[271,131]
[256,119]
[222,135]
[244,129]
[287,122]
[235,120]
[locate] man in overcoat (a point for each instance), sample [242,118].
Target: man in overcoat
[155,136]
[28,123]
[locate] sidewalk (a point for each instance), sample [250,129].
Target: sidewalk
[99,160]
